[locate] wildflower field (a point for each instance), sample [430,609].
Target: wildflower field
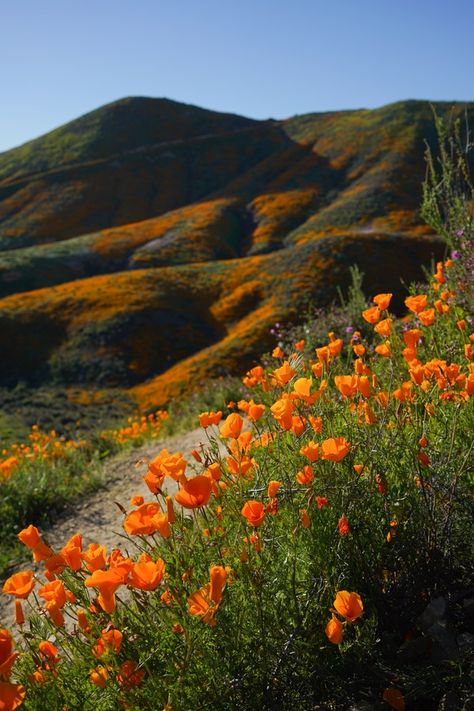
[317,550]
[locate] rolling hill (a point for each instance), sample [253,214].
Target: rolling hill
[150,245]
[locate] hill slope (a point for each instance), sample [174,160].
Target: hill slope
[150,244]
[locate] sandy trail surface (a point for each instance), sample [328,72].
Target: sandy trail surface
[98,517]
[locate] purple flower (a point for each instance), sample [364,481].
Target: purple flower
[349,329]
[455,254]
[460,232]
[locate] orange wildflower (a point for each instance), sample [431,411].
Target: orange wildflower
[210,418]
[384,328]
[316,423]
[382,301]
[11,695]
[141,521]
[299,345]
[72,552]
[205,602]
[412,337]
[304,518]
[218,576]
[147,574]
[94,557]
[363,386]
[394,698]
[109,641]
[137,500]
[323,354]
[30,537]
[302,390]
[232,426]
[343,526]
[427,317]
[272,489]
[195,492]
[282,411]
[305,476]
[335,449]
[7,655]
[107,582]
[321,502]
[130,674]
[166,464]
[277,352]
[298,425]
[371,315]
[255,411]
[384,349]
[334,630]
[54,592]
[19,584]
[416,304]
[310,451]
[346,384]
[283,374]
[99,676]
[254,512]
[348,605]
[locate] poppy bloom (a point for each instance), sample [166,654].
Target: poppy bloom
[54,592]
[382,301]
[416,304]
[371,315]
[141,521]
[254,512]
[302,390]
[147,574]
[384,328]
[335,449]
[255,411]
[210,418]
[427,317]
[195,492]
[310,451]
[109,641]
[72,552]
[272,489]
[284,374]
[130,674]
[305,476]
[334,630]
[343,526]
[304,518]
[218,576]
[316,423]
[7,655]
[19,584]
[282,411]
[95,557]
[348,605]
[232,426]
[107,582]
[11,695]
[321,501]
[99,676]
[346,384]
[166,464]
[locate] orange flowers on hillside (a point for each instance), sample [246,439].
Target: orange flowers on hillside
[206,419]
[416,304]
[348,605]
[147,574]
[19,584]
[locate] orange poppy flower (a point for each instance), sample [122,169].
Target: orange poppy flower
[298,425]
[348,605]
[416,304]
[109,641]
[166,464]
[282,411]
[200,605]
[99,676]
[427,317]
[19,584]
[107,582]
[310,451]
[72,552]
[316,423]
[30,537]
[255,411]
[346,384]
[254,512]
[371,315]
[394,698]
[218,576]
[305,476]
[335,346]
[54,592]
[321,502]
[141,521]
[334,630]
[147,574]
[210,418]
[283,374]
[335,449]
[317,369]
[304,518]
[94,557]
[302,390]
[323,354]
[130,674]
[277,352]
[11,695]
[384,328]
[272,489]
[343,526]
[384,349]
[195,492]
[7,655]
[382,301]
[232,426]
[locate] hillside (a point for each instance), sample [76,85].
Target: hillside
[150,244]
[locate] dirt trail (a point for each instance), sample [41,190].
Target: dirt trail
[98,517]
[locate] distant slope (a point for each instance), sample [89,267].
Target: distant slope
[150,244]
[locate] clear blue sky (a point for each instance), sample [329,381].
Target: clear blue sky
[260,58]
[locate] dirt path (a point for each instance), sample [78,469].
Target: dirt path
[98,517]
